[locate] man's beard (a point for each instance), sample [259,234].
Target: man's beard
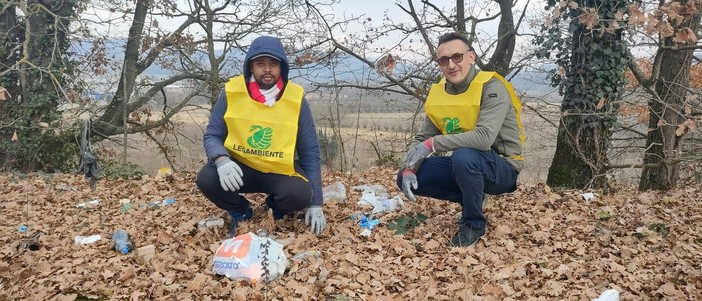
[265,86]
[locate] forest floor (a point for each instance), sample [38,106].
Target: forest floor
[540,245]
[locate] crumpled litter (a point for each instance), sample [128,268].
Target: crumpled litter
[335,191]
[376,188]
[588,196]
[88,161]
[380,204]
[608,295]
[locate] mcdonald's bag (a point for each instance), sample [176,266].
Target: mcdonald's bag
[251,257]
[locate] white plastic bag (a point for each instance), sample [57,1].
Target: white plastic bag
[335,191]
[380,204]
[245,257]
[375,188]
[608,295]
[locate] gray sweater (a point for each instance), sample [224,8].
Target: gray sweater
[496,127]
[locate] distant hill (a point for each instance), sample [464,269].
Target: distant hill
[347,68]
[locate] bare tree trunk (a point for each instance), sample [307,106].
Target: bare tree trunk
[666,113]
[506,39]
[112,118]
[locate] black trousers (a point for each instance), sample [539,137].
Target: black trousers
[285,193]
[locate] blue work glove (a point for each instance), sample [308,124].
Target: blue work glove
[409,178]
[314,217]
[230,174]
[418,153]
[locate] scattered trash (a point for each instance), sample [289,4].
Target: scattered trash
[88,161]
[89,204]
[367,224]
[122,242]
[126,205]
[164,173]
[23,229]
[86,240]
[377,189]
[250,256]
[335,191]
[380,204]
[64,187]
[355,216]
[165,202]
[303,255]
[210,222]
[146,252]
[588,196]
[608,295]
[31,243]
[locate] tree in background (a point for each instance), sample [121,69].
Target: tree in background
[34,69]
[200,47]
[400,73]
[670,119]
[592,56]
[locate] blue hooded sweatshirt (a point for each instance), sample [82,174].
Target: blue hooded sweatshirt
[306,146]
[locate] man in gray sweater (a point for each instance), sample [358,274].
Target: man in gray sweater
[475,115]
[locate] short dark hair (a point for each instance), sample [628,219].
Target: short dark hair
[448,37]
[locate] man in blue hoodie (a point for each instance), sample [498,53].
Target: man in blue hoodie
[258,126]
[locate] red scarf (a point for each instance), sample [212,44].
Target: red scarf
[267,96]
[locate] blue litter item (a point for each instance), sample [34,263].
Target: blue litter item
[368,223]
[122,242]
[23,229]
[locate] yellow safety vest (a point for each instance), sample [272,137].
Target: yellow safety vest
[453,114]
[259,136]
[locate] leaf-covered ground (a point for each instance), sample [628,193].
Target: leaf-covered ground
[540,245]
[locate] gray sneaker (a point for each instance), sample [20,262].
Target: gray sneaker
[466,236]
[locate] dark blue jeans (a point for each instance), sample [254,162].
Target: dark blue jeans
[285,193]
[464,178]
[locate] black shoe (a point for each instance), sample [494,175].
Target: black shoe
[277,215]
[238,217]
[466,236]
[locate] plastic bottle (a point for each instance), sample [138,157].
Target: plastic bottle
[122,242]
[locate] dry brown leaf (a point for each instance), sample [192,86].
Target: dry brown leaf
[163,237]
[433,244]
[69,297]
[180,267]
[134,296]
[196,283]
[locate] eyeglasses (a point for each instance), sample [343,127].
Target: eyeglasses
[456,58]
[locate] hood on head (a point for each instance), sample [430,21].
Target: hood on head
[267,46]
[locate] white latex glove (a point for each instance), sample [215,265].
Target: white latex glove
[419,152]
[409,178]
[230,175]
[314,217]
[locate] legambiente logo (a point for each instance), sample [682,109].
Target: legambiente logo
[452,125]
[261,137]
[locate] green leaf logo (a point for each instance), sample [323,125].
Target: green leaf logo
[452,125]
[261,137]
